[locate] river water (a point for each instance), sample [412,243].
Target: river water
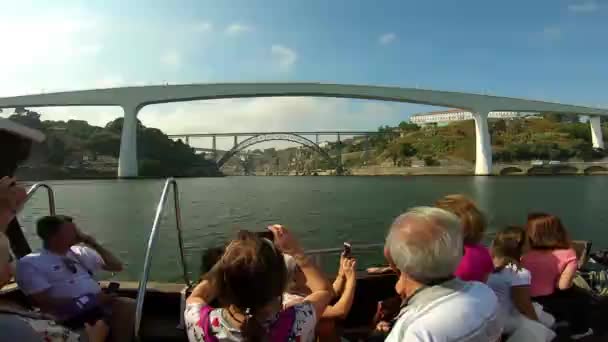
[323,211]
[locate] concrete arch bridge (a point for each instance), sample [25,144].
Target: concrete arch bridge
[133,99]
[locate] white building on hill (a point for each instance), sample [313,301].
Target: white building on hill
[458,115]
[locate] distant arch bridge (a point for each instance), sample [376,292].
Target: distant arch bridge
[264,137]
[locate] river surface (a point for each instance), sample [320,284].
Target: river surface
[323,211]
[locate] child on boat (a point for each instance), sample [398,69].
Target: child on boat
[511,283]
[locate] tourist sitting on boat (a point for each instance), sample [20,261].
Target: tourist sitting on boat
[59,279]
[425,247]
[511,283]
[476,263]
[16,141]
[249,281]
[552,262]
[17,322]
[344,289]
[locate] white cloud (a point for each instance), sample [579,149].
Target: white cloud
[270,114]
[90,49]
[171,58]
[552,33]
[284,56]
[387,38]
[237,29]
[586,6]
[56,38]
[202,26]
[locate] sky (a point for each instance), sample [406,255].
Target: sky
[553,50]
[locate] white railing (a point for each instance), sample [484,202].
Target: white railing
[51,195]
[170,183]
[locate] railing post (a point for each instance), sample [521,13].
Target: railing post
[141,293]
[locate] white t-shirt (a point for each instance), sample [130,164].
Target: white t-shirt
[501,282]
[468,314]
[38,272]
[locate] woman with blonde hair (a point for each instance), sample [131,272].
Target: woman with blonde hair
[476,263]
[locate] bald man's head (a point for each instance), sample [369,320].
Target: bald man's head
[425,243]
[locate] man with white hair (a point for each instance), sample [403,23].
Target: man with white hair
[424,246]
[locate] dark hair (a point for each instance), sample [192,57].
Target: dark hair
[472,219]
[546,231]
[210,257]
[508,244]
[48,226]
[250,274]
[15,150]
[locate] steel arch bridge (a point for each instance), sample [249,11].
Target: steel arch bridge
[260,138]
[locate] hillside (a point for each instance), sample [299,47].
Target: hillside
[551,137]
[75,149]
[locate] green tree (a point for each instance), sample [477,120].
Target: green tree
[27,118]
[499,126]
[56,151]
[104,143]
[407,126]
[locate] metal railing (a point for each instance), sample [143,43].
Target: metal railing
[317,254]
[169,183]
[51,195]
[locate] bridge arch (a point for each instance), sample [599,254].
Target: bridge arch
[260,138]
[511,170]
[596,169]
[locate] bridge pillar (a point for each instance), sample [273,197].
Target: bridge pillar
[597,137]
[187,140]
[236,141]
[127,159]
[483,146]
[214,146]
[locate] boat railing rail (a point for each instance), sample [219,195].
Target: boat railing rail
[317,254]
[170,184]
[50,193]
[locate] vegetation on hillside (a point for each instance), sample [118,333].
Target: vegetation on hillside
[552,137]
[76,145]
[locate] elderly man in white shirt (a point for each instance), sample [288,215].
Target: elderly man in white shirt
[424,246]
[59,278]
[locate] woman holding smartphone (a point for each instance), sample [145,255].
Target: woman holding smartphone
[249,281]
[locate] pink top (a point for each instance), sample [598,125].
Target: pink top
[476,263]
[546,266]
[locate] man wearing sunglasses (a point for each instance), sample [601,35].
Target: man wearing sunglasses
[60,278]
[17,323]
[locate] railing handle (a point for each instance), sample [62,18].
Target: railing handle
[169,183]
[51,195]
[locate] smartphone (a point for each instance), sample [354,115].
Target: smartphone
[347,251]
[113,287]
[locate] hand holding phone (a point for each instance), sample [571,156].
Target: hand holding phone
[347,251]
